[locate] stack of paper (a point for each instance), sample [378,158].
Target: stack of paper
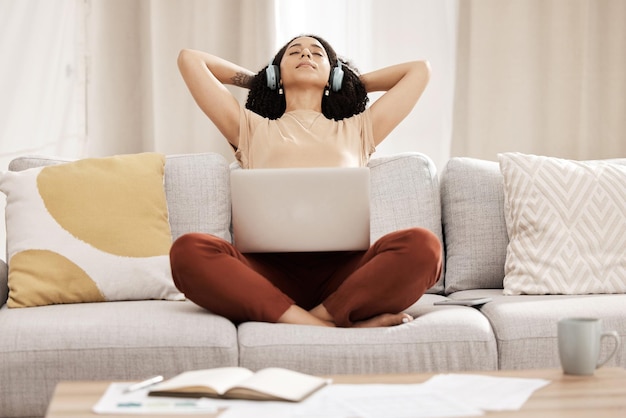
[444,395]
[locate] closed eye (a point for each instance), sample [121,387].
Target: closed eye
[296,52]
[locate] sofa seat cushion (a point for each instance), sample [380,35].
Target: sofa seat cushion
[104,341]
[439,339]
[525,326]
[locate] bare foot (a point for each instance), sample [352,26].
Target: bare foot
[320,316]
[297,315]
[384,320]
[320,312]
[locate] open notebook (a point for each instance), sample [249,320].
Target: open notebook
[273,383]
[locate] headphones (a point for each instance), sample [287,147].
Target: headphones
[272,74]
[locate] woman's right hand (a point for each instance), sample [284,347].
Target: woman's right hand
[205,76]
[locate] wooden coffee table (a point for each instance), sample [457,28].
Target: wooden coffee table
[602,395]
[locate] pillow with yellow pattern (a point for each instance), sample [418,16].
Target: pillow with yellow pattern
[91,230]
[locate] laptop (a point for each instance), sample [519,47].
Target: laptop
[300,209]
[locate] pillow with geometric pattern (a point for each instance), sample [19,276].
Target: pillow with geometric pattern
[566,222]
[91,230]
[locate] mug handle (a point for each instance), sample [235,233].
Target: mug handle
[615,336]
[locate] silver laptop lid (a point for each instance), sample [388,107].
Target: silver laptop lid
[301,209]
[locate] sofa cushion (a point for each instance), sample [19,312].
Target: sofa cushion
[566,222]
[472,201]
[116,341]
[450,338]
[404,194]
[88,231]
[198,194]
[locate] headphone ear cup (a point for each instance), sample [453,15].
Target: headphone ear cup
[336,77]
[272,74]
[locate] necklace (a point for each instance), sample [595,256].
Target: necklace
[304,124]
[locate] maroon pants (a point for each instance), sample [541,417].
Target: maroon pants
[353,286]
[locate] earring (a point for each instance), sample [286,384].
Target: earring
[280,87]
[327,91]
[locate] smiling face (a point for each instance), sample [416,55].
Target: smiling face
[305,61]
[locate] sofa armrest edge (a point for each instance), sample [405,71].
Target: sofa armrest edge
[4,283]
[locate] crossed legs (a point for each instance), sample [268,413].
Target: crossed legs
[346,289]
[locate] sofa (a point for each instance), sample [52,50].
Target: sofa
[464,206]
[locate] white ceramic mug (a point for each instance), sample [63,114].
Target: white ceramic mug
[580,340]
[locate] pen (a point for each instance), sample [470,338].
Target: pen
[143,384]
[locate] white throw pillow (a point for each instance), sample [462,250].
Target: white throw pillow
[92,230]
[566,222]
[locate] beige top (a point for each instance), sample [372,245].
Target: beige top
[304,138]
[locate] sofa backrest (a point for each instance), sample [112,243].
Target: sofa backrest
[472,202]
[474,223]
[404,194]
[197,187]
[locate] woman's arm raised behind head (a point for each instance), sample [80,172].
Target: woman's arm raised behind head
[205,76]
[403,84]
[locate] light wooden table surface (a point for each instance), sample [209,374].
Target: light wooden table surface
[602,395]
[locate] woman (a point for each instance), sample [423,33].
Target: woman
[306,109]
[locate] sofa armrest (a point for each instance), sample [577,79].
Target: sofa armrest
[4,283]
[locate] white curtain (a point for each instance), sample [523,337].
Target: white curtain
[42,82]
[137,100]
[545,77]
[42,78]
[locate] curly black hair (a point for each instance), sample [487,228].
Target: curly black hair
[350,100]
